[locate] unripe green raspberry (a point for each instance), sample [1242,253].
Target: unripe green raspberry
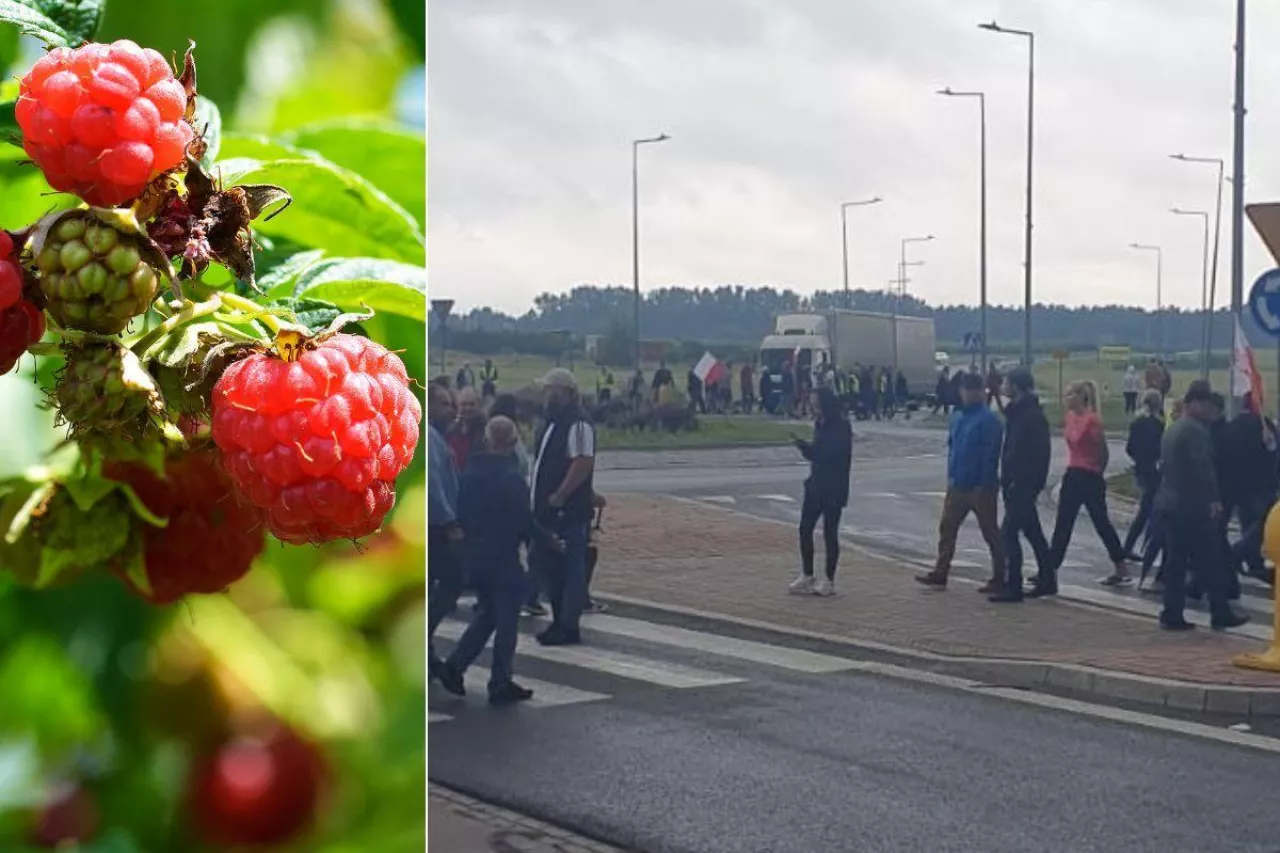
[109,400]
[96,275]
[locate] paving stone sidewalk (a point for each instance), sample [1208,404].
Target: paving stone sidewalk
[457,823]
[676,553]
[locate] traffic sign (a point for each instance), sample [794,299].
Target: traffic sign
[1264,302]
[1061,355]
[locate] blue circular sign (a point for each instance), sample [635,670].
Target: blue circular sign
[1264,302]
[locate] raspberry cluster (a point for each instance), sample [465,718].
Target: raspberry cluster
[21,320]
[318,442]
[102,121]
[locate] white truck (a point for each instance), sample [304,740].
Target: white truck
[846,339]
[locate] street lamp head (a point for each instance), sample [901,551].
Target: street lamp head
[945,91]
[993,27]
[662,137]
[1178,156]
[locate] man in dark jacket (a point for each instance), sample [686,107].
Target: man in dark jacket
[493,508]
[1252,443]
[973,465]
[562,489]
[1189,505]
[826,491]
[1143,447]
[1024,468]
[942,392]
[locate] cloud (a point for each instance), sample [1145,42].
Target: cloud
[779,112]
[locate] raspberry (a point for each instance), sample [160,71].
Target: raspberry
[318,442]
[261,789]
[95,277]
[212,536]
[21,320]
[109,400]
[118,106]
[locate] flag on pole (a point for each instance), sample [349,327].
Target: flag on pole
[1245,369]
[709,369]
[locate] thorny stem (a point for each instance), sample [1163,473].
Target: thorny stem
[189,312]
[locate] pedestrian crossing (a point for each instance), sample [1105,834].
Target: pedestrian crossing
[581,672]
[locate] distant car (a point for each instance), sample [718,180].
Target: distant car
[941,359]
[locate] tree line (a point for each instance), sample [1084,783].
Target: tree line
[743,315]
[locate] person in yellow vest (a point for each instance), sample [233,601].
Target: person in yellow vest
[604,384]
[488,380]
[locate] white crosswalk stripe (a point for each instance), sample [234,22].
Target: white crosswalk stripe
[786,499]
[799,660]
[719,499]
[611,662]
[433,717]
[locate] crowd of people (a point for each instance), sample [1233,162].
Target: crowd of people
[489,497]
[1196,471]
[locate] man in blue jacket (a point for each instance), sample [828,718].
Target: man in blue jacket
[443,531]
[496,519]
[973,466]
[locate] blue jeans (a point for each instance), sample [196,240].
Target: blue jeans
[445,580]
[500,592]
[565,575]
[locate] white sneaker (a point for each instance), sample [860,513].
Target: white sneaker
[824,587]
[802,585]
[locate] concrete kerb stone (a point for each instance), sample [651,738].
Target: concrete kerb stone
[1012,672]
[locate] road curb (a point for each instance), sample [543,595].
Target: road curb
[1025,674]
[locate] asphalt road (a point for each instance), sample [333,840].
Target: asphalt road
[664,739]
[898,482]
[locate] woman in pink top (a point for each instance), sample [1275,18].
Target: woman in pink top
[1082,486]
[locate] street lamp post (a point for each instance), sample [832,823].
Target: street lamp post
[1205,317]
[1217,235]
[1237,198]
[982,214]
[1031,99]
[897,300]
[635,230]
[844,242]
[1159,294]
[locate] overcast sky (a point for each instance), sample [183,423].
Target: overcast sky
[779,110]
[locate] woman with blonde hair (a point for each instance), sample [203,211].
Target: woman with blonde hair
[1083,485]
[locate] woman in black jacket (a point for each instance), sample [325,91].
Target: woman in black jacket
[826,491]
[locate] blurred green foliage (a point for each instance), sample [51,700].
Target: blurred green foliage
[103,690]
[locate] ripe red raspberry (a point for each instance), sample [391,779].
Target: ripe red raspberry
[102,121]
[318,442]
[262,789]
[21,320]
[212,537]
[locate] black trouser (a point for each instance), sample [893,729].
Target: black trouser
[445,579]
[1148,483]
[813,508]
[1130,402]
[1021,518]
[1082,488]
[1192,541]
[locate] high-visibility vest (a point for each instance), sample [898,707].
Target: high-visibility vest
[489,373]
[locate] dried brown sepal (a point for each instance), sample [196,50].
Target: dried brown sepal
[187,78]
[213,224]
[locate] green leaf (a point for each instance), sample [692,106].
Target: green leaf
[8,48]
[280,279]
[209,120]
[390,158]
[316,314]
[86,485]
[332,209]
[58,23]
[384,286]
[36,676]
[257,147]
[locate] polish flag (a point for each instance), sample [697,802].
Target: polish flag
[709,369]
[1245,369]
